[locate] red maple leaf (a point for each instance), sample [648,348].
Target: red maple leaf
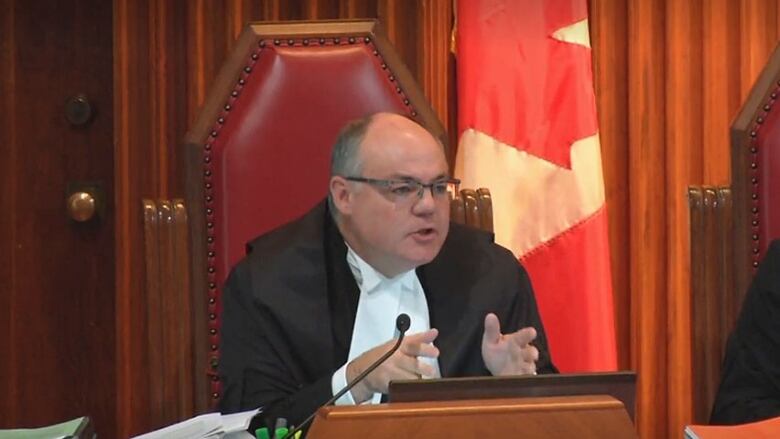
[520,85]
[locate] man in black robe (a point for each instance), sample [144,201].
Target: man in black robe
[750,388]
[290,306]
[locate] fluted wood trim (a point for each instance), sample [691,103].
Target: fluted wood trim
[720,86]
[435,60]
[683,164]
[647,191]
[130,131]
[169,312]
[485,207]
[154,329]
[473,208]
[609,39]
[357,9]
[714,300]
[457,209]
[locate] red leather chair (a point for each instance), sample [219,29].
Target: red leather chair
[755,167]
[731,227]
[258,154]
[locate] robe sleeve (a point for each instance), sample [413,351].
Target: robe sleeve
[750,385]
[251,369]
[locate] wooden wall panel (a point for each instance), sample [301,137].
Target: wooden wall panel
[720,85]
[683,164]
[689,65]
[758,36]
[135,178]
[609,39]
[437,62]
[653,61]
[647,192]
[8,196]
[56,280]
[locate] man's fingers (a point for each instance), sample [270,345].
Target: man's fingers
[530,354]
[409,367]
[523,336]
[421,344]
[425,369]
[492,332]
[402,365]
[422,337]
[388,373]
[421,350]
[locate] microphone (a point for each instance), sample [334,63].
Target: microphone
[402,323]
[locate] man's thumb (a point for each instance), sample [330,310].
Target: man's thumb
[492,329]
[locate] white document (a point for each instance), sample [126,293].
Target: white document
[208,426]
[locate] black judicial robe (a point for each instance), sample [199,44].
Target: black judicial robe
[750,387]
[289,308]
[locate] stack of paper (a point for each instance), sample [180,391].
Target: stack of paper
[76,429]
[208,426]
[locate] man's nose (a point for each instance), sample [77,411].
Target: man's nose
[426,200]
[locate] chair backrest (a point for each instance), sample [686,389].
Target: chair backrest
[258,154]
[473,208]
[755,170]
[731,227]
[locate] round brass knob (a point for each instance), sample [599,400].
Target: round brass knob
[81,206]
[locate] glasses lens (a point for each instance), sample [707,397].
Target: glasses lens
[439,188]
[403,189]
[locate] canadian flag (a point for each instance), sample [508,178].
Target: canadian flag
[529,133]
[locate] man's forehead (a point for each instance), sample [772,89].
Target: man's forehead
[443,175]
[405,160]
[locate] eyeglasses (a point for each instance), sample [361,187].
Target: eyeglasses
[406,189]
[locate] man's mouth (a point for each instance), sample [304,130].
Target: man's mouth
[424,234]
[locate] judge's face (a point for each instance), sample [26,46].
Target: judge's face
[390,225]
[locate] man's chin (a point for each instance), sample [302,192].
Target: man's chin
[424,256]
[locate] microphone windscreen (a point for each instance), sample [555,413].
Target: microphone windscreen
[403,322]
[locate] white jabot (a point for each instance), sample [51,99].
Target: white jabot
[381,301]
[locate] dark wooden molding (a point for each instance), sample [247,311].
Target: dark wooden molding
[473,208]
[436,66]
[714,299]
[169,312]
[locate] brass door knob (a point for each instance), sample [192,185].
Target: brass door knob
[81,206]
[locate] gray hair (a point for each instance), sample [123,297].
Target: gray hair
[345,158]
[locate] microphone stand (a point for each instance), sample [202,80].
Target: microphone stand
[402,324]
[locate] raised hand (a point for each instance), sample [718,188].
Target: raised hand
[508,354]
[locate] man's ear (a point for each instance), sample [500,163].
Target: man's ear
[341,194]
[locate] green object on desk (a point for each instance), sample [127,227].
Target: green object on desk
[280,432]
[262,433]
